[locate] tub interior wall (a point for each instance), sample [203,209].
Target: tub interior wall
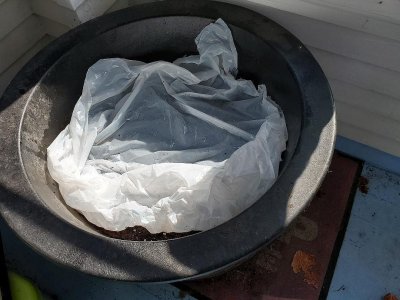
[166,38]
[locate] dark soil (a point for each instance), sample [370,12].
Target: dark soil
[139,233]
[363,185]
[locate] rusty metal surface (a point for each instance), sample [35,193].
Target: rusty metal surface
[294,266]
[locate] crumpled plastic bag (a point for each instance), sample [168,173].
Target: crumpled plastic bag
[172,147]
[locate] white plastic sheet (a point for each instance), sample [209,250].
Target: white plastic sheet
[172,147]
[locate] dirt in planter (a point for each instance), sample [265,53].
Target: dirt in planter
[139,233]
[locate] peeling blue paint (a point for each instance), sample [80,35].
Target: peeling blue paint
[369,261]
[368,154]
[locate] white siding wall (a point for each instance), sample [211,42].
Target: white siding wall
[357,43]
[26,26]
[20,31]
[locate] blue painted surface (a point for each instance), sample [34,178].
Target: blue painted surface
[369,261]
[67,284]
[373,156]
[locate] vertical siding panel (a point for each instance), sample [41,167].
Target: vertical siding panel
[13,13]
[18,41]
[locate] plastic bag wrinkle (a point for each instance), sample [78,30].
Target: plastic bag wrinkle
[172,147]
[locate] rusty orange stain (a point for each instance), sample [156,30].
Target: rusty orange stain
[306,263]
[363,185]
[390,296]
